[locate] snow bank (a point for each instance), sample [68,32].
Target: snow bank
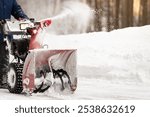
[120,54]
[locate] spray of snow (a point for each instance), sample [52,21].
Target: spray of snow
[74,17]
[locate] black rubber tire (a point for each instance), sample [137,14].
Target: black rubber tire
[16,77]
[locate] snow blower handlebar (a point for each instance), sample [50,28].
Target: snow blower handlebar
[45,23]
[25,27]
[22,27]
[15,28]
[36,42]
[2,22]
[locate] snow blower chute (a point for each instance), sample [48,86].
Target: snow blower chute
[35,69]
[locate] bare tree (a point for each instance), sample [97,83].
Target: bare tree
[98,15]
[108,15]
[143,12]
[117,10]
[130,12]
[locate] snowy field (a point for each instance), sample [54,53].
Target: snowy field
[111,65]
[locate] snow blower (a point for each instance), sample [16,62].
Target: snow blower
[34,68]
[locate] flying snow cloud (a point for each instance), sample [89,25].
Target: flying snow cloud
[68,16]
[73,17]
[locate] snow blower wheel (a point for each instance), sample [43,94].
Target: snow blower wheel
[15,78]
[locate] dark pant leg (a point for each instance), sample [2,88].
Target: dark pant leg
[4,61]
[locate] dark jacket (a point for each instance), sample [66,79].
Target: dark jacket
[8,8]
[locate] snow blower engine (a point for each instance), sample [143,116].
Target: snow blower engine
[32,68]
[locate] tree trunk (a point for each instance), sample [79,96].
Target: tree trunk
[130,12]
[117,9]
[143,12]
[108,16]
[98,15]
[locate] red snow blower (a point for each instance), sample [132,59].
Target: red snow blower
[33,68]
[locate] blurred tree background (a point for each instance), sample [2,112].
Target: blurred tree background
[109,14]
[115,14]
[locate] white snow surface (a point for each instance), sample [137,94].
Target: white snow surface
[111,65]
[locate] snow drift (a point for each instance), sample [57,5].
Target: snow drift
[121,54]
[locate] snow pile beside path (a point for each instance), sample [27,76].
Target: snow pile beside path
[118,54]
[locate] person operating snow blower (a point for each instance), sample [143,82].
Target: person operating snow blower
[7,8]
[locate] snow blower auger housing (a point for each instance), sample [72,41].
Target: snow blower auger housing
[33,68]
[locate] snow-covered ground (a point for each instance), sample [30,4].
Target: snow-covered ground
[111,65]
